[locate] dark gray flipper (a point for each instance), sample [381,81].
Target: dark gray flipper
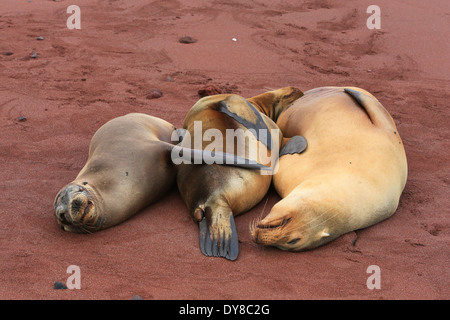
[209,157]
[377,114]
[296,144]
[257,125]
[225,247]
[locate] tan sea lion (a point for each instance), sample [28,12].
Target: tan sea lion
[215,193]
[350,177]
[129,166]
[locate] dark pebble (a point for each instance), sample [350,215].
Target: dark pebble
[21,119]
[7,53]
[154,94]
[187,39]
[59,285]
[40,38]
[33,55]
[137,297]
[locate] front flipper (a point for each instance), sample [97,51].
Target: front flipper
[377,114]
[187,156]
[246,114]
[296,144]
[218,244]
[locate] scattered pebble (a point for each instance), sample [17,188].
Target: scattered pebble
[169,78]
[154,94]
[7,53]
[59,285]
[234,39]
[83,79]
[187,39]
[137,297]
[40,38]
[33,54]
[21,119]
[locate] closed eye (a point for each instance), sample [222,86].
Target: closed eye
[294,241]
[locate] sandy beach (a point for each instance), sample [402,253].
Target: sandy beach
[57,90]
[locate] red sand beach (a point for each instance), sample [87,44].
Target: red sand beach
[51,105]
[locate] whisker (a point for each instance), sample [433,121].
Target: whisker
[86,230]
[256,220]
[82,227]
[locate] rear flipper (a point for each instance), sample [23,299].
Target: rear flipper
[221,242]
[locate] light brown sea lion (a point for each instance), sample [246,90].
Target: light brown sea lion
[350,177]
[129,166]
[215,193]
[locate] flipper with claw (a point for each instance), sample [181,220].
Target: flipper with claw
[218,241]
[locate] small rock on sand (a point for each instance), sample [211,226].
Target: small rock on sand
[187,39]
[59,285]
[154,94]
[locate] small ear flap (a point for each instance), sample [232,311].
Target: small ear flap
[296,144]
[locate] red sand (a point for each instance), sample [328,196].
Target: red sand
[125,49]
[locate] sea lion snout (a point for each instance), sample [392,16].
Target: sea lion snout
[75,209]
[281,231]
[61,211]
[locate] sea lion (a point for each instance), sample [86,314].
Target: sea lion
[350,177]
[129,166]
[215,193]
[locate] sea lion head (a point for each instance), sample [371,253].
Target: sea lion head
[78,210]
[272,103]
[293,228]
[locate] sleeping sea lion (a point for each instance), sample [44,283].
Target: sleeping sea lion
[350,177]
